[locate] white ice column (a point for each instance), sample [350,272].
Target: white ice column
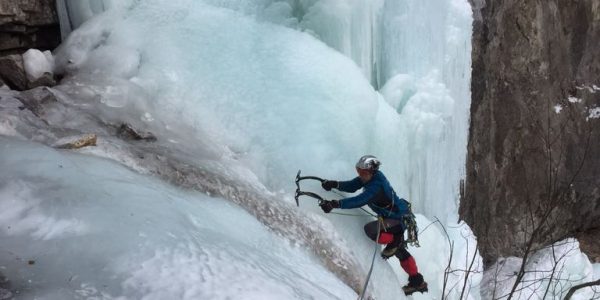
[427,43]
[349,26]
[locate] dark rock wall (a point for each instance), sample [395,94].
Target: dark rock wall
[533,164]
[26,24]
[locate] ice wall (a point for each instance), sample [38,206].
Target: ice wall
[273,87]
[425,67]
[416,52]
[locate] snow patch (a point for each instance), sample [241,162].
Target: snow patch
[574,99]
[563,262]
[37,63]
[594,113]
[557,108]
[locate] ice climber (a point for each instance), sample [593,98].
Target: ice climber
[379,195]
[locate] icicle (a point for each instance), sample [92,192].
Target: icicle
[63,18]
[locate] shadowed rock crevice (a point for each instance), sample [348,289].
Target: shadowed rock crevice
[26,24]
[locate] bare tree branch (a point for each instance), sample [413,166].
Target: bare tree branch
[467,273]
[573,289]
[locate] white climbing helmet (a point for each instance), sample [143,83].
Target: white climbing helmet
[368,162]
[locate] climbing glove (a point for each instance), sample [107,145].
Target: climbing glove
[328,205]
[329,184]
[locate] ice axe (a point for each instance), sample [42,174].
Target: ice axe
[303,193]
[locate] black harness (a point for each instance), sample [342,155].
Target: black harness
[382,201]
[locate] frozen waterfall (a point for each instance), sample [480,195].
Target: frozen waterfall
[416,53]
[239,95]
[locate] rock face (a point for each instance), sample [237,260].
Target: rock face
[12,71]
[28,24]
[533,165]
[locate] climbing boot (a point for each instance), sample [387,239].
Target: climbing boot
[415,284]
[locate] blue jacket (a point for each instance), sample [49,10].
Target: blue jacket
[378,194]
